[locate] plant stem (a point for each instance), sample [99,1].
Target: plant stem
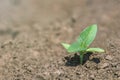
[81,57]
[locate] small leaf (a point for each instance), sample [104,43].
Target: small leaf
[95,50]
[87,35]
[65,45]
[75,47]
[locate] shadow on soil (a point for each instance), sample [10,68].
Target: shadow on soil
[75,60]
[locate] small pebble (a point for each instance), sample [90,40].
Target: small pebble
[118,78]
[92,76]
[108,57]
[58,72]
[104,65]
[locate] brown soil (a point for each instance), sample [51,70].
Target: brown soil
[31,32]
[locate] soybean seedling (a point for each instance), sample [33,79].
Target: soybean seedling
[81,45]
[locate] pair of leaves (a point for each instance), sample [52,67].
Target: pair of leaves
[84,40]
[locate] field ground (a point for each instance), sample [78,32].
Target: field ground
[31,32]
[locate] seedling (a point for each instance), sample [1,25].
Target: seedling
[81,45]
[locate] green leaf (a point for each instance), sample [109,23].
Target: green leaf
[75,47]
[65,45]
[87,36]
[95,50]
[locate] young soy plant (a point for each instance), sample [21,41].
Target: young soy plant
[82,43]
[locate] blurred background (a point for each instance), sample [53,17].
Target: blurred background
[20,14]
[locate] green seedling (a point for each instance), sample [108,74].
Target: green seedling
[81,45]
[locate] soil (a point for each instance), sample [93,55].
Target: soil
[31,32]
